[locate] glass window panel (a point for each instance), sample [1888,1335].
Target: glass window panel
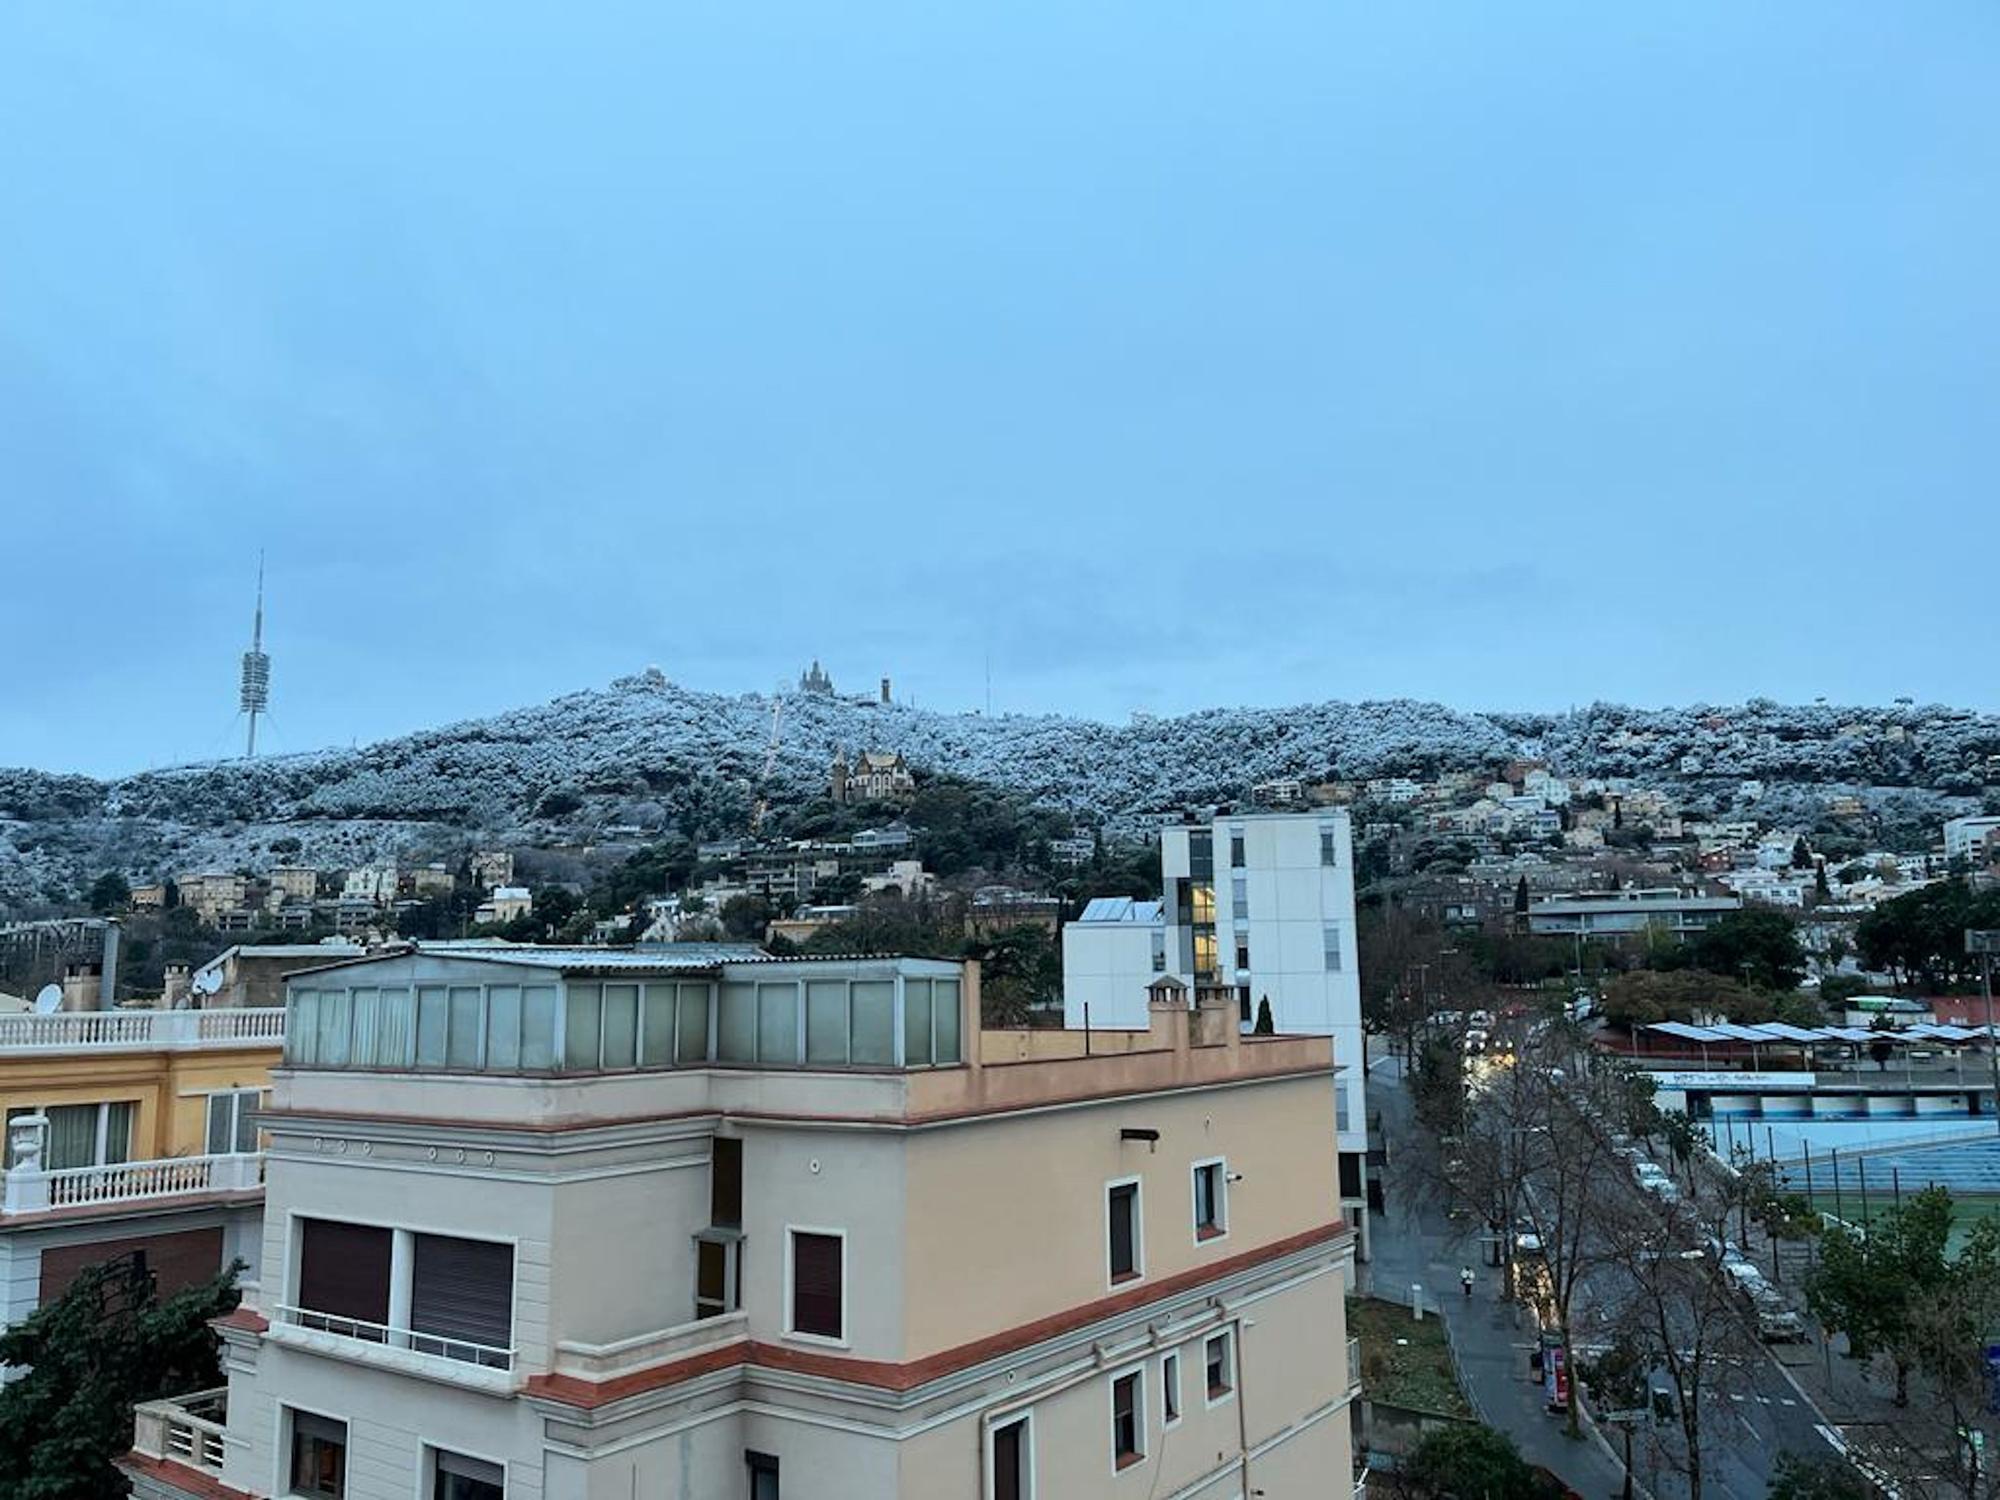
[246,1121]
[873,1022]
[582,1025]
[826,1021]
[656,1026]
[916,1022]
[777,1023]
[691,1024]
[462,1048]
[72,1140]
[221,1122]
[333,1022]
[118,1131]
[736,1023]
[538,1026]
[367,1018]
[945,1018]
[433,1020]
[621,1025]
[392,1034]
[503,1028]
[302,1027]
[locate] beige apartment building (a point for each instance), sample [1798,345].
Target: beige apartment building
[595,1224]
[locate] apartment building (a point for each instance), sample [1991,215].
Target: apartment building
[1965,838]
[129,1130]
[584,1224]
[1261,906]
[1629,915]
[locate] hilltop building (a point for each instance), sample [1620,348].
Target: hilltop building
[815,681]
[874,776]
[560,1224]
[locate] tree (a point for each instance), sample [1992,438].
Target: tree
[1265,1026]
[1920,937]
[1821,891]
[1797,1478]
[1018,969]
[1467,1461]
[745,917]
[1521,897]
[1868,1281]
[1760,944]
[109,893]
[1681,1138]
[1618,1381]
[555,905]
[106,1344]
[1801,854]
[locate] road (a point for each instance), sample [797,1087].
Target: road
[1750,1420]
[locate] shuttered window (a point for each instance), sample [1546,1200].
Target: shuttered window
[1128,1433]
[344,1271]
[462,1291]
[816,1288]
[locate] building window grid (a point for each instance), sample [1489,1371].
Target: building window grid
[620,1026]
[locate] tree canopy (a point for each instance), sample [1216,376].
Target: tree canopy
[108,1343]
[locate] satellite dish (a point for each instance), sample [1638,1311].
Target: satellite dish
[48,1000]
[207,982]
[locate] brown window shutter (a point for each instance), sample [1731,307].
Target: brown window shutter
[344,1269]
[816,1286]
[463,1289]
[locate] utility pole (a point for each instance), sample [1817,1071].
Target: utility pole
[1985,944]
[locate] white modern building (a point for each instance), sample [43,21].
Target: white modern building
[1967,836]
[1261,905]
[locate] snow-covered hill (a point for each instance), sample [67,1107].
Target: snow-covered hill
[645,753]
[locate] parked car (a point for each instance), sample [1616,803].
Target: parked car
[1776,1322]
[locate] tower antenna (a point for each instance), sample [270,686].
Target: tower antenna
[255,697]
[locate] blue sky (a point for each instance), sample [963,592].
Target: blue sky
[1165,355]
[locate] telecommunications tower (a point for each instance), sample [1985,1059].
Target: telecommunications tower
[256,693]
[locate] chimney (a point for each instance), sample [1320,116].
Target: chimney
[885,690]
[80,987]
[107,994]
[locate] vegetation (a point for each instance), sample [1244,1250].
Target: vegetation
[1920,937]
[1403,1362]
[1468,1461]
[105,1345]
[1796,1478]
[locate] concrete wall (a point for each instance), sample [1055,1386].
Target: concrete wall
[1107,966]
[1015,1208]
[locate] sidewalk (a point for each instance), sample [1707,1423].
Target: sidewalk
[1492,1338]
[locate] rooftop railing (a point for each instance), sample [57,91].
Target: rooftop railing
[186,1430]
[140,1030]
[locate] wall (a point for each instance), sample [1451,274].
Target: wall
[1107,966]
[169,1085]
[1014,1205]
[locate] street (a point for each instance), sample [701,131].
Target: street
[1760,1415]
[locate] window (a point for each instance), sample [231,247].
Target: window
[456,1477]
[1219,1368]
[1211,1189]
[1013,1462]
[725,1181]
[1170,1388]
[319,1456]
[83,1135]
[344,1277]
[763,1469]
[1128,1423]
[1331,945]
[1239,897]
[1121,1206]
[1329,847]
[817,1277]
[1236,849]
[230,1127]
[1242,952]
[462,1294]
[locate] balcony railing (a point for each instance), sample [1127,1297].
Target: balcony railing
[27,1191]
[1353,1365]
[184,1429]
[486,1356]
[138,1030]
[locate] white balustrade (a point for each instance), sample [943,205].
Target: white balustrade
[66,1031]
[185,1430]
[29,1191]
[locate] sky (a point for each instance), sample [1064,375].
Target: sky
[1142,356]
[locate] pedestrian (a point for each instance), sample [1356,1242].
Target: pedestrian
[1465,1279]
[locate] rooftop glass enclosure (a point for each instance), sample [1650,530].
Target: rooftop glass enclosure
[434,1014]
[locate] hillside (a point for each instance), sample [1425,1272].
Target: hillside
[646,754]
